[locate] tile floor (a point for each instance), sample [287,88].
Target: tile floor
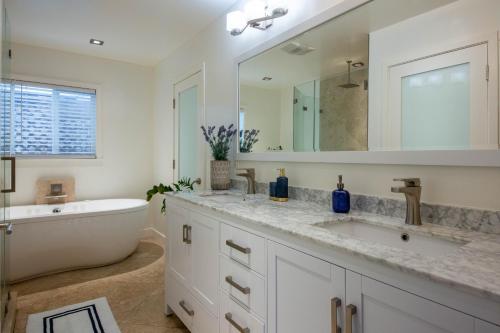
[134,289]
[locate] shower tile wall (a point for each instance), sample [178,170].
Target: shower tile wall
[344,113]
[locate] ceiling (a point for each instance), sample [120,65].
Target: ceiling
[137,31]
[343,38]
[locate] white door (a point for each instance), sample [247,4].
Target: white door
[204,239]
[189,117]
[381,308]
[303,292]
[441,102]
[179,250]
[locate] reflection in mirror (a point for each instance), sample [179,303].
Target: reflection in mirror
[371,79]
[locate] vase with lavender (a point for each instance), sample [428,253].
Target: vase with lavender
[247,139]
[220,142]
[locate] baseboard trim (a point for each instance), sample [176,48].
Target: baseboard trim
[151,232]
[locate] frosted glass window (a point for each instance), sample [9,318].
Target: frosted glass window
[242,120]
[435,108]
[188,133]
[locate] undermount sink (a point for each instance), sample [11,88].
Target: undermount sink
[402,239]
[213,194]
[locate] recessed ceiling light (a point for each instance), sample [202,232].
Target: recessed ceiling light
[96,42]
[267,78]
[358,64]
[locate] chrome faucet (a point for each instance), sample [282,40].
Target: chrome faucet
[250,176]
[412,191]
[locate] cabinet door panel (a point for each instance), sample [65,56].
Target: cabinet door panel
[179,252]
[385,309]
[301,288]
[204,236]
[484,327]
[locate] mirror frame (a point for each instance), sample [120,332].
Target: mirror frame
[483,158]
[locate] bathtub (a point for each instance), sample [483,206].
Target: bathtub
[54,238]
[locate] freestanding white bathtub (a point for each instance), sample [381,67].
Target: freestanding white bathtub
[54,238]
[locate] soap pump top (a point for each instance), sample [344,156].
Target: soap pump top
[340,184]
[282,172]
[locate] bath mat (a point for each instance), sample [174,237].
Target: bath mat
[93,316]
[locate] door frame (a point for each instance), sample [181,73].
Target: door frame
[195,77]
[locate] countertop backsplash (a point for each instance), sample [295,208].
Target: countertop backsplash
[464,218]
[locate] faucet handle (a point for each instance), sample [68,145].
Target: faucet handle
[409,182]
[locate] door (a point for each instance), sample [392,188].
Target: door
[189,117]
[304,105]
[179,250]
[306,294]
[204,238]
[381,308]
[441,102]
[7,164]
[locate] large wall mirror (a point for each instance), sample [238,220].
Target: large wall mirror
[390,75]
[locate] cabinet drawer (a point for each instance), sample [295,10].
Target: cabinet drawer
[244,247]
[235,319]
[244,285]
[180,301]
[190,311]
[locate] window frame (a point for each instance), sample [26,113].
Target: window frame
[70,84]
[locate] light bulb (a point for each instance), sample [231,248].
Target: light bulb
[235,21]
[255,9]
[277,7]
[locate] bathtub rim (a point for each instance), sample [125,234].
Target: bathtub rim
[71,216]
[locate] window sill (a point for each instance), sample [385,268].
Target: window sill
[24,162]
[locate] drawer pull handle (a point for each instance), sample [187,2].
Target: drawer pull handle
[229,318]
[186,234]
[245,250]
[350,312]
[184,229]
[182,304]
[244,290]
[335,305]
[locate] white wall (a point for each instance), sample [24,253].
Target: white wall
[126,105]
[473,187]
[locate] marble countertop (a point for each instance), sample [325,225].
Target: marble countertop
[473,267]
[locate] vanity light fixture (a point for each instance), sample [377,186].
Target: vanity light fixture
[96,42]
[257,14]
[267,78]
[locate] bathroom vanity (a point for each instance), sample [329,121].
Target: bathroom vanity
[246,264]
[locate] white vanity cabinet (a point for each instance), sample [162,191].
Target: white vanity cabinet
[192,269]
[402,311]
[306,294]
[224,276]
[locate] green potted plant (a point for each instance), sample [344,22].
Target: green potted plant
[181,185]
[220,143]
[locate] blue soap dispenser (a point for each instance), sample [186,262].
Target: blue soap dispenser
[341,199]
[282,186]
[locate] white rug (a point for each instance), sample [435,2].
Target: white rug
[93,316]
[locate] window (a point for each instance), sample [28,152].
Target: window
[48,120]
